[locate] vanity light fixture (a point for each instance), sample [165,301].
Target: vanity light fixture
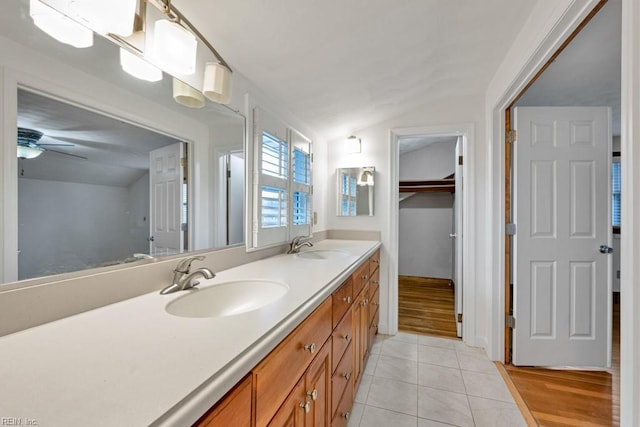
[138,67]
[217,82]
[174,48]
[58,26]
[353,144]
[185,95]
[105,17]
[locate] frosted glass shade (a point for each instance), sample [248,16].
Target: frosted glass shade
[28,152]
[217,83]
[113,16]
[186,95]
[174,48]
[58,26]
[138,67]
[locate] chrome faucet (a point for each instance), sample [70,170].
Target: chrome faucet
[183,279]
[297,243]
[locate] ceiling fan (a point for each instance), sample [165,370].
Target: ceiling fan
[29,146]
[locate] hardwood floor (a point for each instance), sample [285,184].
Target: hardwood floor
[426,306]
[573,398]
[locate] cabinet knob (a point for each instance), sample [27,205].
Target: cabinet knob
[313,394]
[346,415]
[347,337]
[311,348]
[347,300]
[306,406]
[347,375]
[364,277]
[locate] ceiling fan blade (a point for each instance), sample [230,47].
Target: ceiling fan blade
[67,154]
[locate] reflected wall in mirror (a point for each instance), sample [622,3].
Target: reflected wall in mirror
[107,123]
[355,191]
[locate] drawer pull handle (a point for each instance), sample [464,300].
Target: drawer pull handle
[376,304]
[311,348]
[306,406]
[347,375]
[346,415]
[365,302]
[376,282]
[347,337]
[313,394]
[347,300]
[364,277]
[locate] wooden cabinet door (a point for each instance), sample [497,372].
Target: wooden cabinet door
[292,411]
[357,338]
[364,326]
[318,389]
[233,409]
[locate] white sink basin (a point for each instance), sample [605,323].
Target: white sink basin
[227,299]
[322,254]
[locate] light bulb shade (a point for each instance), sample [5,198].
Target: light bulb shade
[113,16]
[217,83]
[29,152]
[138,67]
[353,144]
[58,26]
[186,95]
[174,48]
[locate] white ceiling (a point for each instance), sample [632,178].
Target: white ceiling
[587,73]
[341,66]
[408,144]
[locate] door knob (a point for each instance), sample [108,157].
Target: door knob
[453,235]
[606,249]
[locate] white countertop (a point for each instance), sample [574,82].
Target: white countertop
[132,363]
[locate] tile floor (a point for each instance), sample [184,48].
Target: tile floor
[421,381]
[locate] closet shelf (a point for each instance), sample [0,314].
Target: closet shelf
[446,185]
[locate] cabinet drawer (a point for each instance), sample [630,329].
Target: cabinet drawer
[374,302]
[341,338]
[374,262]
[374,282]
[276,375]
[341,378]
[360,277]
[342,299]
[342,414]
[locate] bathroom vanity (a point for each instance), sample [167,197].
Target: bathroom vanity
[296,359]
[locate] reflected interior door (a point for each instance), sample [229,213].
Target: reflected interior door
[166,176]
[562,285]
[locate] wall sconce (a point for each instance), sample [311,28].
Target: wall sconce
[58,26]
[353,144]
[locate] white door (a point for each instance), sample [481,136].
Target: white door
[562,288]
[165,181]
[457,239]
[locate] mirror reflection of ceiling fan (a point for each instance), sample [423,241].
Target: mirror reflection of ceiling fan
[30,147]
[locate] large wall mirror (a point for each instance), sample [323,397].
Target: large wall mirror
[355,189]
[110,166]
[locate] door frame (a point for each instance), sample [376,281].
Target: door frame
[466,131]
[547,30]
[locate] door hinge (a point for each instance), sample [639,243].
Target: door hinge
[183,161]
[511,136]
[460,160]
[510,321]
[510,229]
[228,174]
[459,317]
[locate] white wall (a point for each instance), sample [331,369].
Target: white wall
[67,226]
[376,152]
[426,219]
[424,246]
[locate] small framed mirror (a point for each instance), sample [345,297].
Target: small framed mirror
[355,191]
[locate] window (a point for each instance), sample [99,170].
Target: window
[348,187]
[282,182]
[615,193]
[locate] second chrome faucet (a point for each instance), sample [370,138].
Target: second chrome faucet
[184,279]
[297,243]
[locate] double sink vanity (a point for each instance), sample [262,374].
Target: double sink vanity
[278,341]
